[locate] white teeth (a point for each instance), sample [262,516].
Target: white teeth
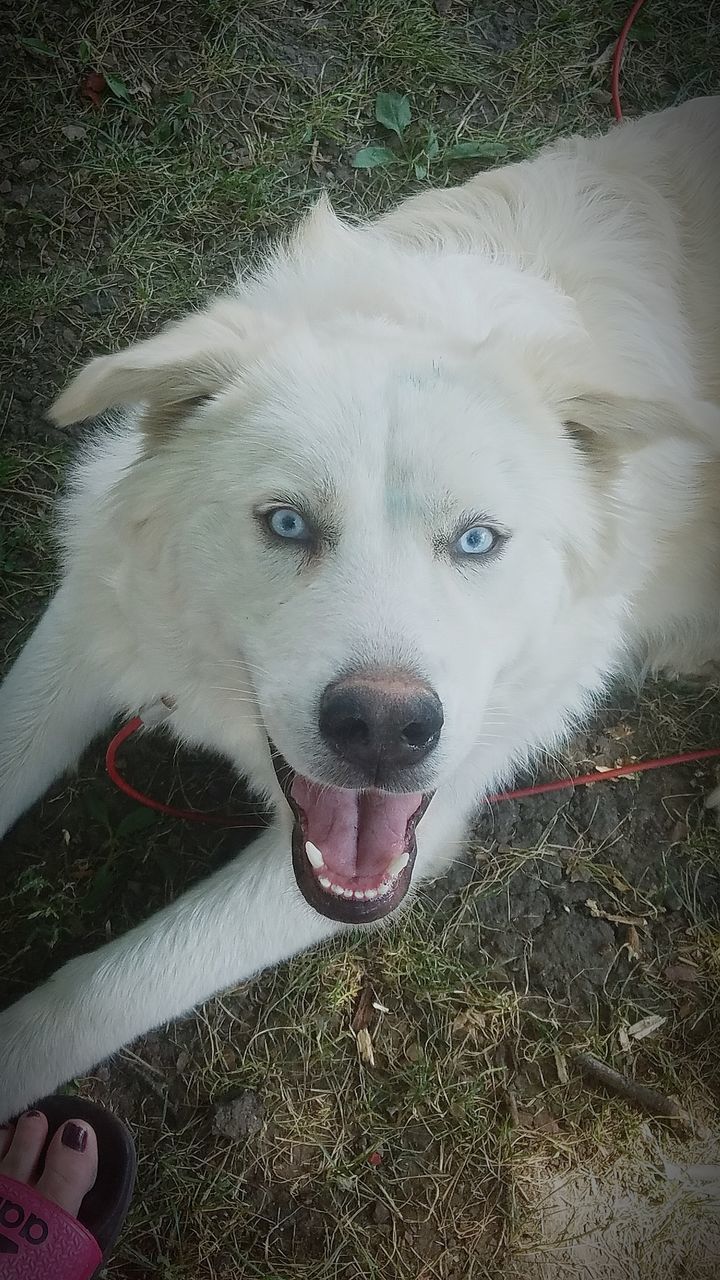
[314,856]
[359,895]
[397,865]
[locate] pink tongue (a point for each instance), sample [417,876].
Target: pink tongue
[358,833]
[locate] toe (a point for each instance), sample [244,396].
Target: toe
[6,1133]
[70,1165]
[23,1153]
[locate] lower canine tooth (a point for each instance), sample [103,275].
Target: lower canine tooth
[397,865]
[314,855]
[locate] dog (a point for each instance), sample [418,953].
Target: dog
[379,525]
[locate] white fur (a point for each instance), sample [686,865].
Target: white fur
[396,374]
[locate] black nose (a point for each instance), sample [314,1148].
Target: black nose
[381,724]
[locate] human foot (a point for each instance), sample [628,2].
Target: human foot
[67,1170]
[70,1163]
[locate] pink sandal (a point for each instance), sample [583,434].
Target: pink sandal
[38,1239]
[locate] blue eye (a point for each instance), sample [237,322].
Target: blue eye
[476,541]
[287,523]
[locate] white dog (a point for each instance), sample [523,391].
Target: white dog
[383,522]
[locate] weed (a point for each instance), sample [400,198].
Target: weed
[418,148]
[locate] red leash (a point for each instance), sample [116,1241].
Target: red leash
[217,820]
[581,780]
[188,815]
[618,57]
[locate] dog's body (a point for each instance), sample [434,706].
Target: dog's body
[489,425]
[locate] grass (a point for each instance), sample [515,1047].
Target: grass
[222,122]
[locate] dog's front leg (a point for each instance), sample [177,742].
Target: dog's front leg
[248,916]
[53,702]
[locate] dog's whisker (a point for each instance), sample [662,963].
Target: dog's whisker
[224,688]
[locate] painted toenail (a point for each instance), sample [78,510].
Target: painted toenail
[74,1136]
[33,1113]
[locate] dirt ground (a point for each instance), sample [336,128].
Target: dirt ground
[267,1147]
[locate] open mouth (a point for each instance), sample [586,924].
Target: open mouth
[353,852]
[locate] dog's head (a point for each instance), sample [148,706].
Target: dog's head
[377,522]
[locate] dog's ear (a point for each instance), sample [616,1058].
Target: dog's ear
[608,425]
[170,373]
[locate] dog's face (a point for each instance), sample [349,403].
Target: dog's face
[373,533]
[379,539]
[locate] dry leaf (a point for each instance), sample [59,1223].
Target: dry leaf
[541,1121]
[512,1107]
[468,1023]
[599,914]
[229,1057]
[682,973]
[632,942]
[619,731]
[545,1122]
[646,1026]
[679,832]
[603,59]
[561,1066]
[624,1039]
[619,883]
[74,131]
[363,1016]
[365,1047]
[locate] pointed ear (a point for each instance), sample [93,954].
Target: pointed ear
[609,425]
[169,374]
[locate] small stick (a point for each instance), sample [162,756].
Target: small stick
[647,1099]
[512,1107]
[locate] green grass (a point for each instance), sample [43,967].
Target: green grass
[226,120]
[229,128]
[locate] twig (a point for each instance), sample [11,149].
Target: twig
[647,1099]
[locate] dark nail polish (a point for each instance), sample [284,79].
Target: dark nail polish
[33,1113]
[74,1136]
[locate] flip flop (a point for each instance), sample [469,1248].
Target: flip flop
[38,1239]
